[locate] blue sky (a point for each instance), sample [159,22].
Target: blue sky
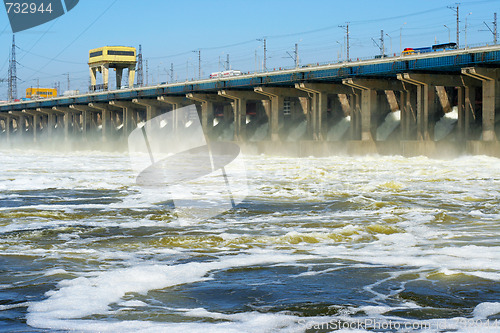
[169,31]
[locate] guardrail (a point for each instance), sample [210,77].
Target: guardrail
[331,70]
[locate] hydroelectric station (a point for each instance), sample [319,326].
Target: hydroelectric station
[434,104]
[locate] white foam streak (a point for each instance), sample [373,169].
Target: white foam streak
[94,295]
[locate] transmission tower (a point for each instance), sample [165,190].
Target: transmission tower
[140,70]
[12,79]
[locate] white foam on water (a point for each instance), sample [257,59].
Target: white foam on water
[391,191]
[14,306]
[446,124]
[251,322]
[486,309]
[391,122]
[133,304]
[85,296]
[56,271]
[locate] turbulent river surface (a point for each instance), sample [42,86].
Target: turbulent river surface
[377,244]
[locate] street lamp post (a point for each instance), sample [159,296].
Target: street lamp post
[466,29]
[390,40]
[341,51]
[449,33]
[401,38]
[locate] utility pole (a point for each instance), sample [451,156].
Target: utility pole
[494,30]
[466,29]
[147,73]
[381,45]
[140,70]
[171,72]
[199,63]
[382,42]
[264,65]
[12,77]
[68,79]
[227,62]
[346,28]
[296,55]
[457,11]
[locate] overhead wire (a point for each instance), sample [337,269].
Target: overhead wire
[76,38]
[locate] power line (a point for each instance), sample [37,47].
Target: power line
[76,38]
[41,56]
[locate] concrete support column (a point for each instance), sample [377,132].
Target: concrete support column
[105,75]
[240,99]
[86,118]
[93,77]
[306,105]
[21,126]
[461,123]
[36,126]
[68,119]
[319,105]
[491,97]
[177,102]
[8,127]
[129,118]
[119,75]
[106,124]
[131,76]
[409,114]
[35,123]
[51,120]
[277,99]
[207,111]
[469,110]
[367,109]
[355,112]
[276,111]
[418,110]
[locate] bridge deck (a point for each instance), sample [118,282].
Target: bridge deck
[445,62]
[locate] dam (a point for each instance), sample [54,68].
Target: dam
[434,104]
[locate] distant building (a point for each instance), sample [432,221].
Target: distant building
[117,57]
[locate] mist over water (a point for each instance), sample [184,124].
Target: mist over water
[84,248]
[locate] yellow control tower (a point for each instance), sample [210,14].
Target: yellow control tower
[117,57]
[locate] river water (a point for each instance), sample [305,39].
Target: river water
[408,244]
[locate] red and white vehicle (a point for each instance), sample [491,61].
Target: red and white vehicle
[223,74]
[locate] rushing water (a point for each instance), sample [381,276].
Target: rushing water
[319,243]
